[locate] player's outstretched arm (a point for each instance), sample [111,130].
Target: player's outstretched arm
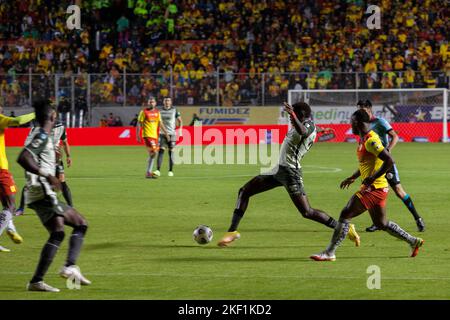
[20,120]
[348,181]
[180,126]
[394,139]
[388,162]
[138,132]
[26,161]
[66,147]
[296,123]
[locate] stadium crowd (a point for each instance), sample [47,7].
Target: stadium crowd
[275,44]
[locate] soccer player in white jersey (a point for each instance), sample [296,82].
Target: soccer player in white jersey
[171,119]
[39,161]
[59,135]
[287,173]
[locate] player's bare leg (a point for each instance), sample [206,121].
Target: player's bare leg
[378,215]
[21,210]
[79,224]
[256,185]
[406,199]
[67,194]
[302,203]
[353,209]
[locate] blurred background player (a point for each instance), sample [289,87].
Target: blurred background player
[59,135]
[150,121]
[8,187]
[38,158]
[287,173]
[374,162]
[171,119]
[384,130]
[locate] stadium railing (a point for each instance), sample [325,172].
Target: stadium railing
[195,88]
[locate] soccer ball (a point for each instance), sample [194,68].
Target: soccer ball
[202,234]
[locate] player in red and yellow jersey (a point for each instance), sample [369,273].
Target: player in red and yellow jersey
[150,121]
[374,162]
[7,185]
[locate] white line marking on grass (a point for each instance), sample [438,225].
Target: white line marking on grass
[271,276]
[319,169]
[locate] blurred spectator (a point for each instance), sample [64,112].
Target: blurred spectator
[309,38]
[117,122]
[103,121]
[195,120]
[111,121]
[134,121]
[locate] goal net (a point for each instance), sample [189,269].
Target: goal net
[419,115]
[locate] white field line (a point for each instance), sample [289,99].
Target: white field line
[317,169]
[187,275]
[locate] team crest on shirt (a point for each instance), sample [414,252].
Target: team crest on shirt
[36,143]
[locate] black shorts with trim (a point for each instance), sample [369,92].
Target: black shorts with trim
[164,143]
[46,209]
[290,178]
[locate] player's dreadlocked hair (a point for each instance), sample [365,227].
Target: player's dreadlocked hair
[361,116]
[302,109]
[43,110]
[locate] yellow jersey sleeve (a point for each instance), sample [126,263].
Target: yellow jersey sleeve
[5,121]
[17,121]
[374,145]
[141,117]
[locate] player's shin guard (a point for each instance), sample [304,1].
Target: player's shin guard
[150,164]
[237,216]
[339,234]
[47,254]
[394,230]
[11,227]
[170,160]
[5,218]
[410,205]
[66,193]
[75,244]
[160,158]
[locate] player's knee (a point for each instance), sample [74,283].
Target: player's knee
[56,237]
[82,228]
[399,191]
[345,213]
[243,192]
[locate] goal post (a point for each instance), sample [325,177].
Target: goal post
[419,115]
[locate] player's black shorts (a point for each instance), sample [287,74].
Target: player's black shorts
[290,178]
[392,176]
[164,143]
[47,209]
[59,167]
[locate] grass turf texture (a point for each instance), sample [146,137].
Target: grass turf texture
[139,244]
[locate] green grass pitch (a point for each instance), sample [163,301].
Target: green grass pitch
[139,244]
